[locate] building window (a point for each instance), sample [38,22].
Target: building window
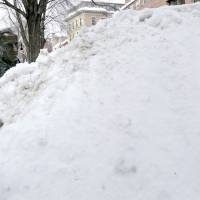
[80,22]
[94,21]
[76,23]
[175,2]
[69,27]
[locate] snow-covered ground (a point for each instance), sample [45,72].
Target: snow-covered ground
[113,116]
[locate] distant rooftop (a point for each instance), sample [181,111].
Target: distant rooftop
[127,4]
[88,10]
[98,4]
[108,1]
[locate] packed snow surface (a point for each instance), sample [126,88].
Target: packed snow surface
[113,116]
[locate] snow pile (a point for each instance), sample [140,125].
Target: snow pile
[114,116]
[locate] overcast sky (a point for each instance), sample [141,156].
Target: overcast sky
[3,19]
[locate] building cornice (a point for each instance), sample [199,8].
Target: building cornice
[87,10]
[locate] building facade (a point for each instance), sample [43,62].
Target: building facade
[140,4]
[88,14]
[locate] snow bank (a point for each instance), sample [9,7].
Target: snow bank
[114,116]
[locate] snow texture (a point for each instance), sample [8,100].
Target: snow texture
[113,116]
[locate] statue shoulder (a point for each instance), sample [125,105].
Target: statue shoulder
[2,63]
[3,67]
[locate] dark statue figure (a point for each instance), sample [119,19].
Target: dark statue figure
[1,123]
[8,50]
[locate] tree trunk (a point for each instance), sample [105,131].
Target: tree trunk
[34,32]
[42,28]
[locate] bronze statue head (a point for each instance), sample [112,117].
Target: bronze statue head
[8,47]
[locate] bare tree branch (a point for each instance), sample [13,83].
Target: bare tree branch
[10,5]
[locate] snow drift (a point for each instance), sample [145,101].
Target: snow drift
[113,116]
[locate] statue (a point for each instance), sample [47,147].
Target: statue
[1,123]
[8,50]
